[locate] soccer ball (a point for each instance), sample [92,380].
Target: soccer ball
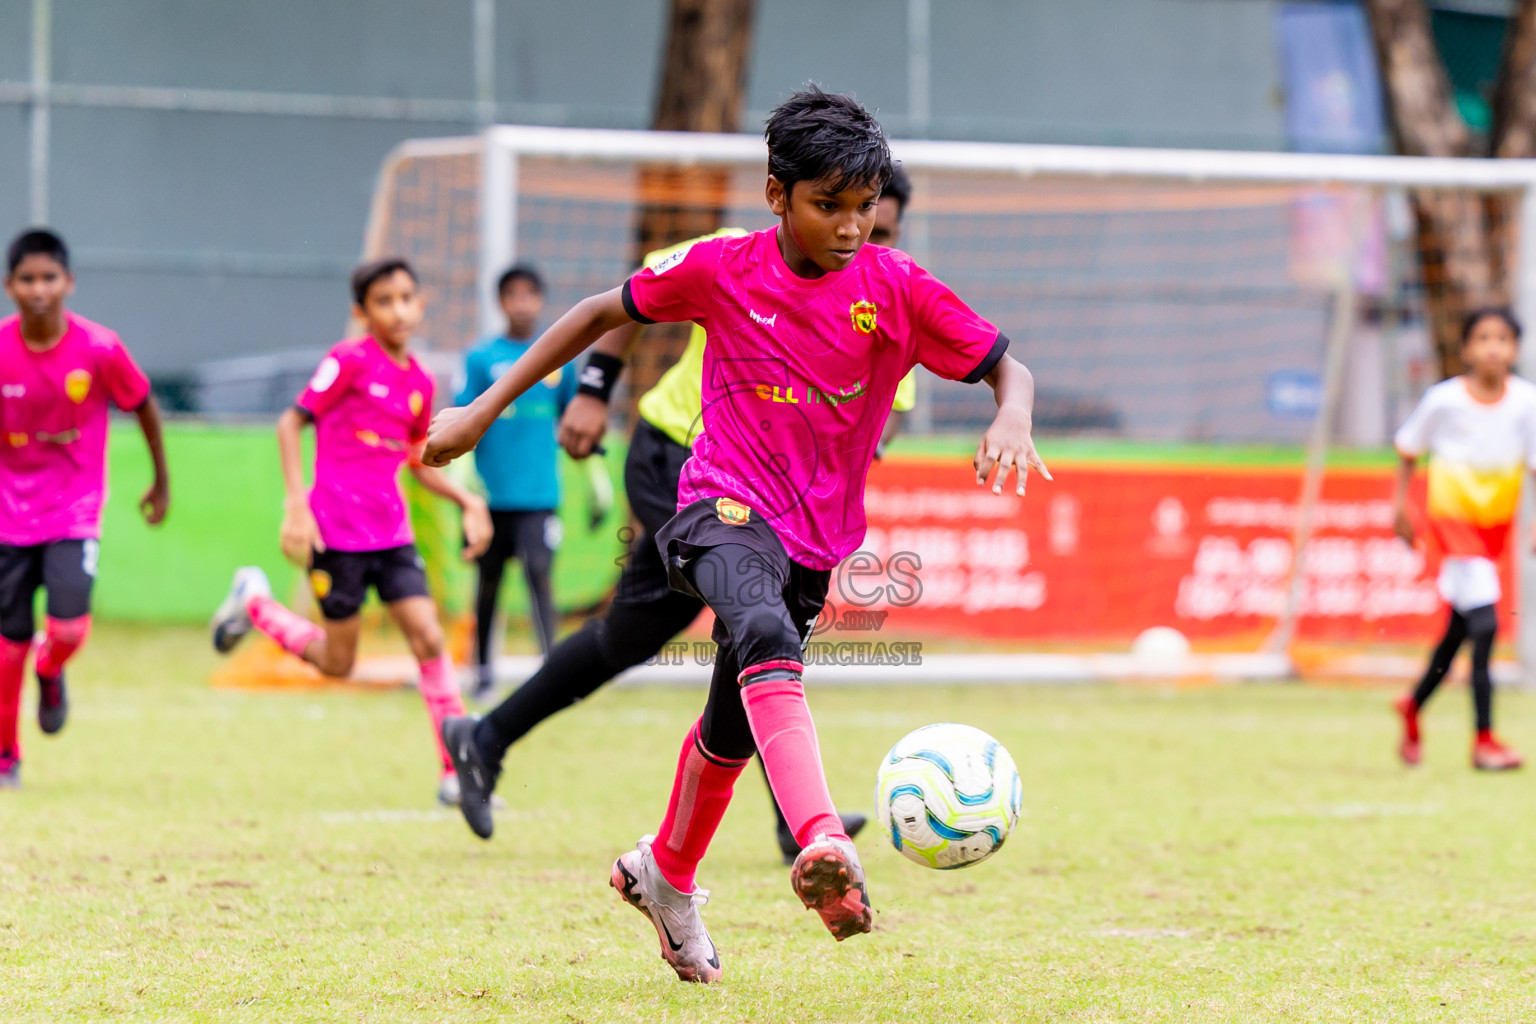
[948,795]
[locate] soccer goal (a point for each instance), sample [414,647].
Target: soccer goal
[1222,343]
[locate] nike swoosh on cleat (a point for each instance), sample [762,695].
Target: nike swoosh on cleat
[675,945]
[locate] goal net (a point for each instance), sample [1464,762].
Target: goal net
[1222,345]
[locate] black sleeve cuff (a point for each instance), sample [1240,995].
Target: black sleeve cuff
[631,308]
[988,361]
[309,417]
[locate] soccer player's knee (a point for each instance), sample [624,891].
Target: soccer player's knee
[765,633]
[427,642]
[1482,623]
[337,666]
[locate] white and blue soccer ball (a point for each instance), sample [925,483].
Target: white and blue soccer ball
[948,796]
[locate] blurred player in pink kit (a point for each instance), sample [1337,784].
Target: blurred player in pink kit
[810,331]
[370,403]
[59,375]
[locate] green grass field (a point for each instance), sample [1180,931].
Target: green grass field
[1241,854]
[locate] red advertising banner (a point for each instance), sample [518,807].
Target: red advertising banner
[1106,551]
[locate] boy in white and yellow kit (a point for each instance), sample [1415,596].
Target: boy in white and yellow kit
[1479,430]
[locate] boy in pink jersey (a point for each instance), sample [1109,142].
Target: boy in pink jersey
[810,331]
[59,375]
[370,402]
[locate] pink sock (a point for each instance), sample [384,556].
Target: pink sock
[13,663]
[441,693]
[786,741]
[292,631]
[701,791]
[60,642]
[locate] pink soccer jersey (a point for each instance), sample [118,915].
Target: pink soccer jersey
[799,375]
[53,429]
[369,413]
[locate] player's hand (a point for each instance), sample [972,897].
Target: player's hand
[583,425]
[1006,446]
[477,528]
[155,502]
[300,534]
[452,434]
[1402,525]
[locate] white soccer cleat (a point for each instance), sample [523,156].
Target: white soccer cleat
[685,945]
[231,622]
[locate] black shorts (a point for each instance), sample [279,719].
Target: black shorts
[64,568]
[652,471]
[340,579]
[711,522]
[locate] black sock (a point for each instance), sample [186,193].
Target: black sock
[574,669]
[1440,661]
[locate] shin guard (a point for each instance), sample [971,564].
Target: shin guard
[774,699]
[440,691]
[61,640]
[701,791]
[292,631]
[13,663]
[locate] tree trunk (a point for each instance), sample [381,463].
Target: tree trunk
[703,89]
[1514,99]
[1456,245]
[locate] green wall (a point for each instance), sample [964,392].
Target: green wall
[227,505]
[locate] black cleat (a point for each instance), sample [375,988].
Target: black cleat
[52,703]
[477,780]
[853,824]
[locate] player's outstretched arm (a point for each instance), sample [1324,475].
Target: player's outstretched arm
[1008,444]
[585,419]
[476,515]
[157,499]
[300,533]
[456,431]
[1402,522]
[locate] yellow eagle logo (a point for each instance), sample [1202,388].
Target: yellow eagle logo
[863,314]
[77,384]
[731,512]
[415,402]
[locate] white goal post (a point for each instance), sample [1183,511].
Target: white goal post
[500,220]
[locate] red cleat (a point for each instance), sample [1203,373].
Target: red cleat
[1409,748]
[1490,755]
[829,879]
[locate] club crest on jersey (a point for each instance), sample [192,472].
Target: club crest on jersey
[415,403]
[320,583]
[863,314]
[77,384]
[552,380]
[732,512]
